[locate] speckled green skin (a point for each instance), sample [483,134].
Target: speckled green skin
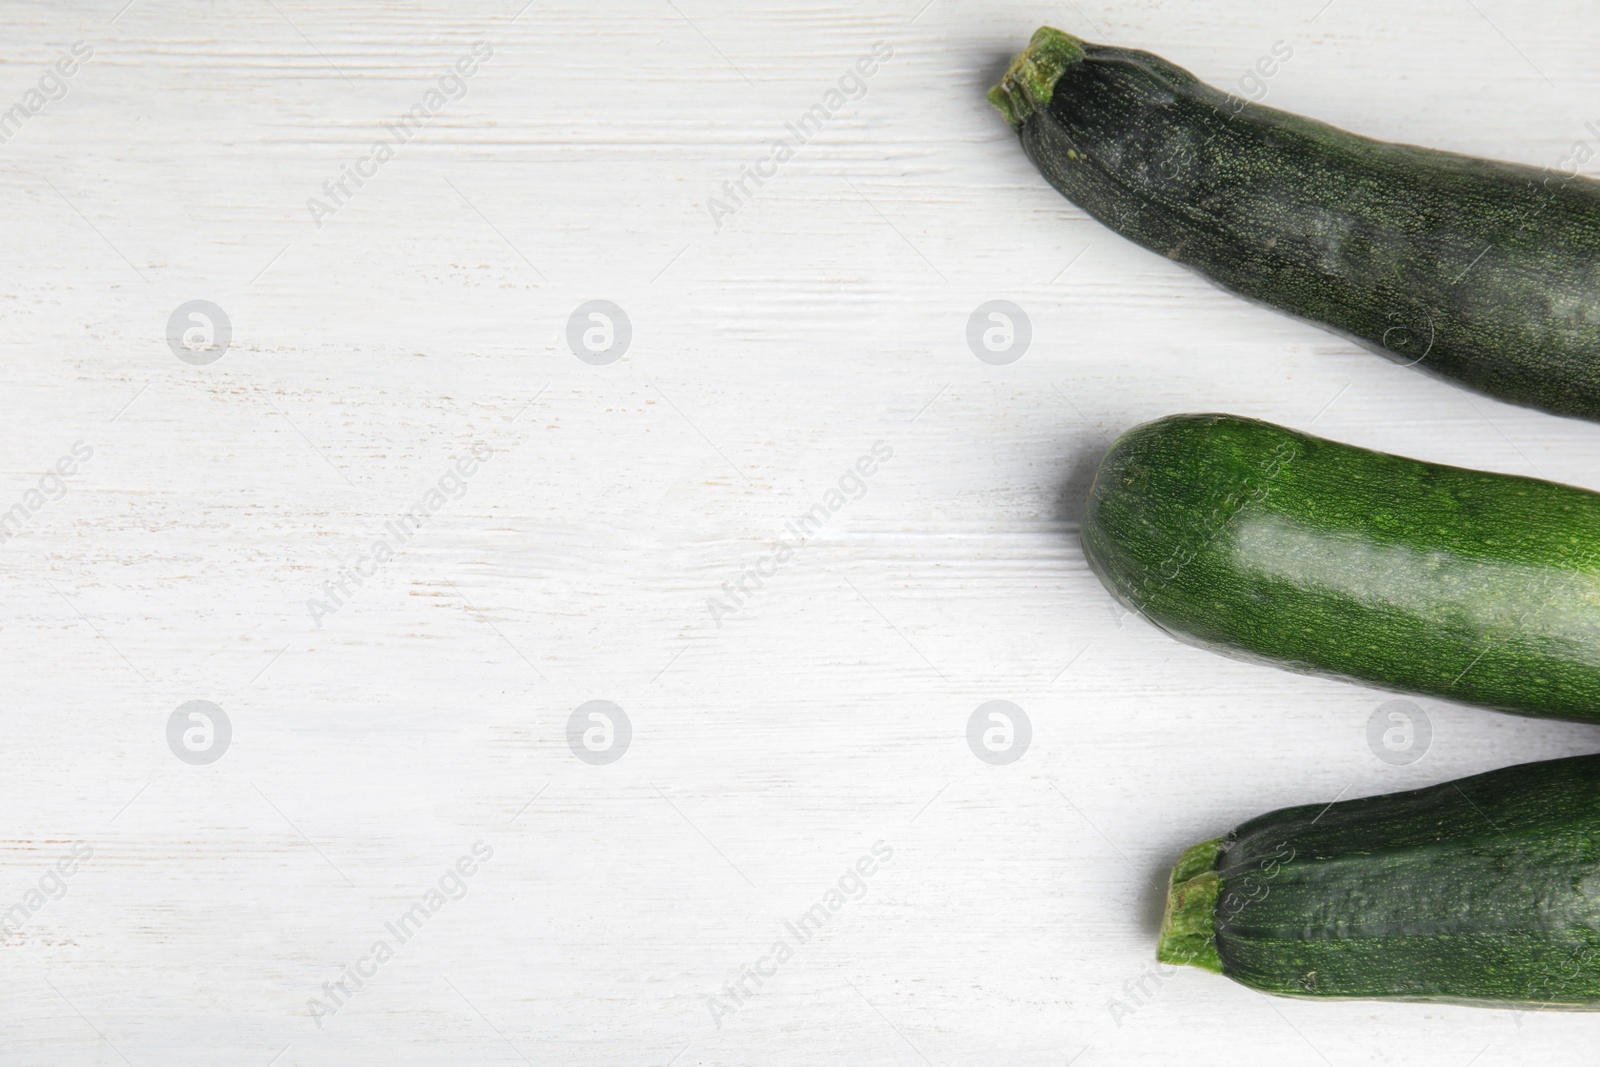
[1485,890]
[1271,545]
[1484,272]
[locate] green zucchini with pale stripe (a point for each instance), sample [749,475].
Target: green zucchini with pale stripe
[1263,543]
[1480,891]
[1484,272]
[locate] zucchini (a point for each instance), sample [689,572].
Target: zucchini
[1481,891]
[1263,543]
[1484,272]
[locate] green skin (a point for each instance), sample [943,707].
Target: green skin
[1482,891]
[1256,541]
[1484,272]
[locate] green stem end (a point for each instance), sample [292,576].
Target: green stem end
[1031,79]
[1189,927]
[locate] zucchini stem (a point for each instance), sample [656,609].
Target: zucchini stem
[1031,79]
[1189,925]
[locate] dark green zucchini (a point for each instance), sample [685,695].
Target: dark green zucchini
[1271,545]
[1485,890]
[1484,272]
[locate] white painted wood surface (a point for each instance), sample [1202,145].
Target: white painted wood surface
[428,314]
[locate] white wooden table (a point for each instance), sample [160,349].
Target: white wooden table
[229,910]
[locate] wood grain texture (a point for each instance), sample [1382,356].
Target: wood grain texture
[430,711]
